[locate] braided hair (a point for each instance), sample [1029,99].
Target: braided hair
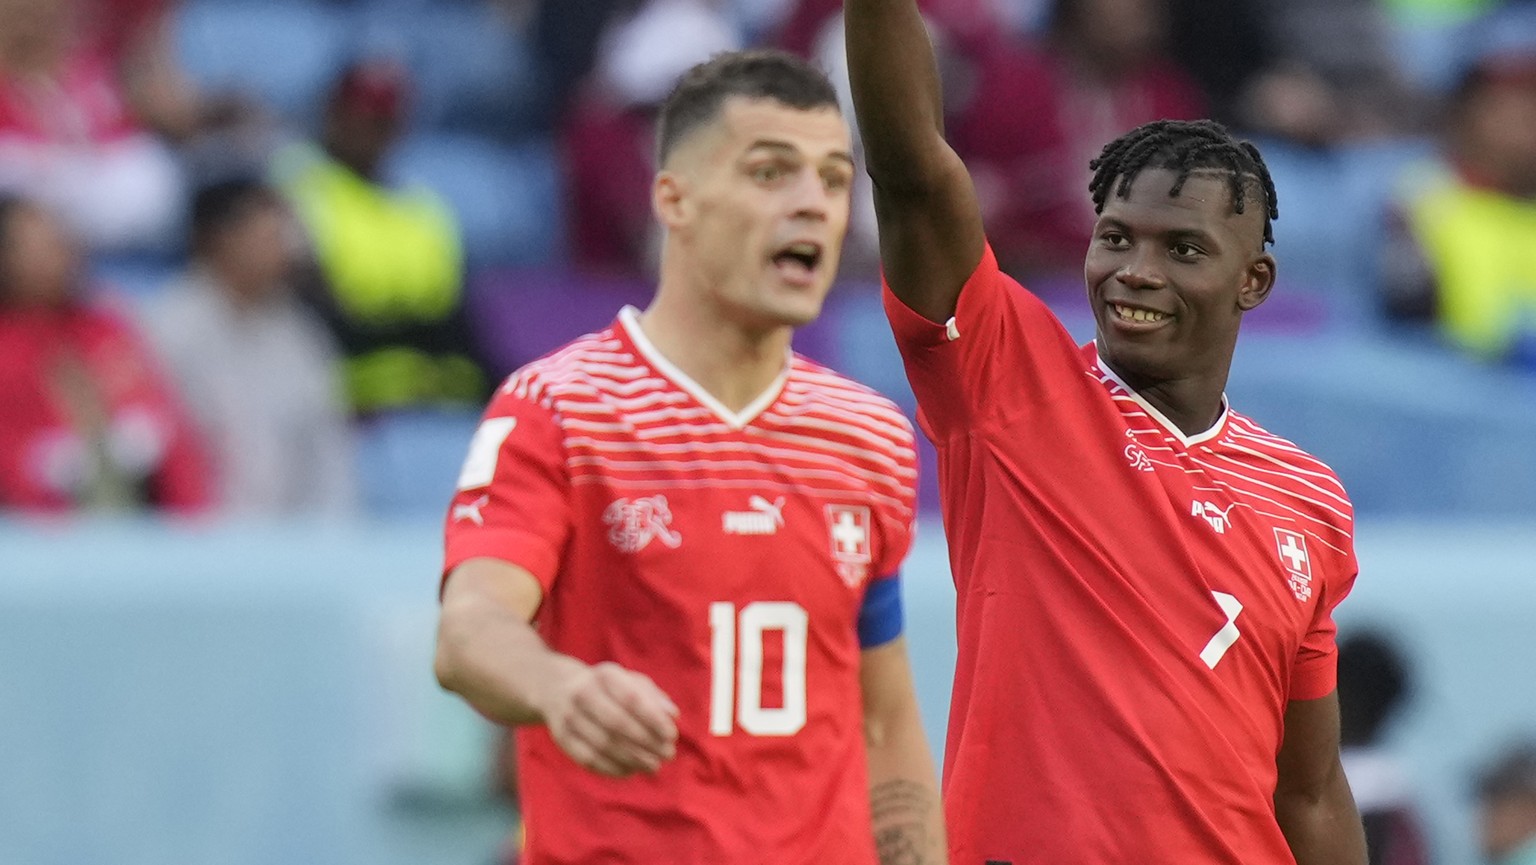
[1184,147]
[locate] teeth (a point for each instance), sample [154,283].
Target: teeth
[1130,314]
[801,249]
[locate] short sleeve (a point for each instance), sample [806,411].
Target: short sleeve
[513,496]
[1001,337]
[1316,672]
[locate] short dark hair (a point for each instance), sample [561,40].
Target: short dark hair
[758,74]
[1184,147]
[223,203]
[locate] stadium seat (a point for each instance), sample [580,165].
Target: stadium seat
[283,52]
[407,462]
[506,197]
[471,65]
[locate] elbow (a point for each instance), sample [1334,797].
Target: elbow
[447,662]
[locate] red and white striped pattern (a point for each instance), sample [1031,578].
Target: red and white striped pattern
[815,431]
[1248,465]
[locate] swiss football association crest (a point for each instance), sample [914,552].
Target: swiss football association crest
[1292,547]
[634,523]
[848,528]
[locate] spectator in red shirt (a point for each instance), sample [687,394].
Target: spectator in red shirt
[1039,113]
[75,135]
[86,421]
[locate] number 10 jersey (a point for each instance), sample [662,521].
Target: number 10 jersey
[742,560]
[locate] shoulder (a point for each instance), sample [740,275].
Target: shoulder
[1293,469]
[814,388]
[585,369]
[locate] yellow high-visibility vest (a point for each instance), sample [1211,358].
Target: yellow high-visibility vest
[1481,246]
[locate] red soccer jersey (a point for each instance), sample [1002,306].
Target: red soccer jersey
[1135,606]
[725,555]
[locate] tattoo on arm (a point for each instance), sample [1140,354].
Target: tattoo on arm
[901,834]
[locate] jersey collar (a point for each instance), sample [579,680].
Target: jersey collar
[1168,426]
[629,320]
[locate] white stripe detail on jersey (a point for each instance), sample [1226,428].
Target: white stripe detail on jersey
[878,407]
[839,492]
[828,455]
[629,319]
[1296,514]
[1324,475]
[868,425]
[1288,475]
[1255,481]
[1107,376]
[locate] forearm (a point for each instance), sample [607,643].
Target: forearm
[1322,825]
[499,664]
[896,93]
[908,819]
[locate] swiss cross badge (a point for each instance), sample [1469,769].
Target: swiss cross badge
[1297,562]
[848,529]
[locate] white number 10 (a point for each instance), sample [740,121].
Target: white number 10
[736,676]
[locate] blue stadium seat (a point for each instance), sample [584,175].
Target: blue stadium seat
[506,197]
[282,51]
[472,66]
[407,462]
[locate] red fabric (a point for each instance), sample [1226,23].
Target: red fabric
[87,106]
[116,26]
[680,543]
[38,444]
[609,164]
[1087,724]
[1028,133]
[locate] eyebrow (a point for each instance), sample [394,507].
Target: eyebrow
[1195,234]
[788,149]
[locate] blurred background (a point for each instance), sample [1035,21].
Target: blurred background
[262,261]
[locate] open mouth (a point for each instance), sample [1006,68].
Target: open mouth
[798,260]
[1136,314]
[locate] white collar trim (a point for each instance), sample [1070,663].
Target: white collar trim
[1169,426]
[629,319]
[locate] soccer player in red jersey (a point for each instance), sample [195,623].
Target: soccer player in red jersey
[704,530]
[1145,578]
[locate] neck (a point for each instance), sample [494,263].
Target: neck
[1192,404]
[734,364]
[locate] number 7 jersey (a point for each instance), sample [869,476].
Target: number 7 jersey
[742,560]
[1136,606]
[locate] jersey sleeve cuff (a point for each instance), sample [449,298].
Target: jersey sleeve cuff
[913,328]
[1314,680]
[508,545]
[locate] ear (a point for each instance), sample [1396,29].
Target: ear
[1257,282]
[669,199]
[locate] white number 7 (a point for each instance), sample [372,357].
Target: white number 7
[1228,634]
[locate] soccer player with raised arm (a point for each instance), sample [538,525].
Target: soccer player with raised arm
[1145,578]
[672,559]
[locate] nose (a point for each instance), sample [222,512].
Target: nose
[1140,269]
[812,199]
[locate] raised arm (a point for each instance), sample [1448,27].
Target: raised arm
[930,224]
[611,720]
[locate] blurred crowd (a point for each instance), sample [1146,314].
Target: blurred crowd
[215,282]
[209,290]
